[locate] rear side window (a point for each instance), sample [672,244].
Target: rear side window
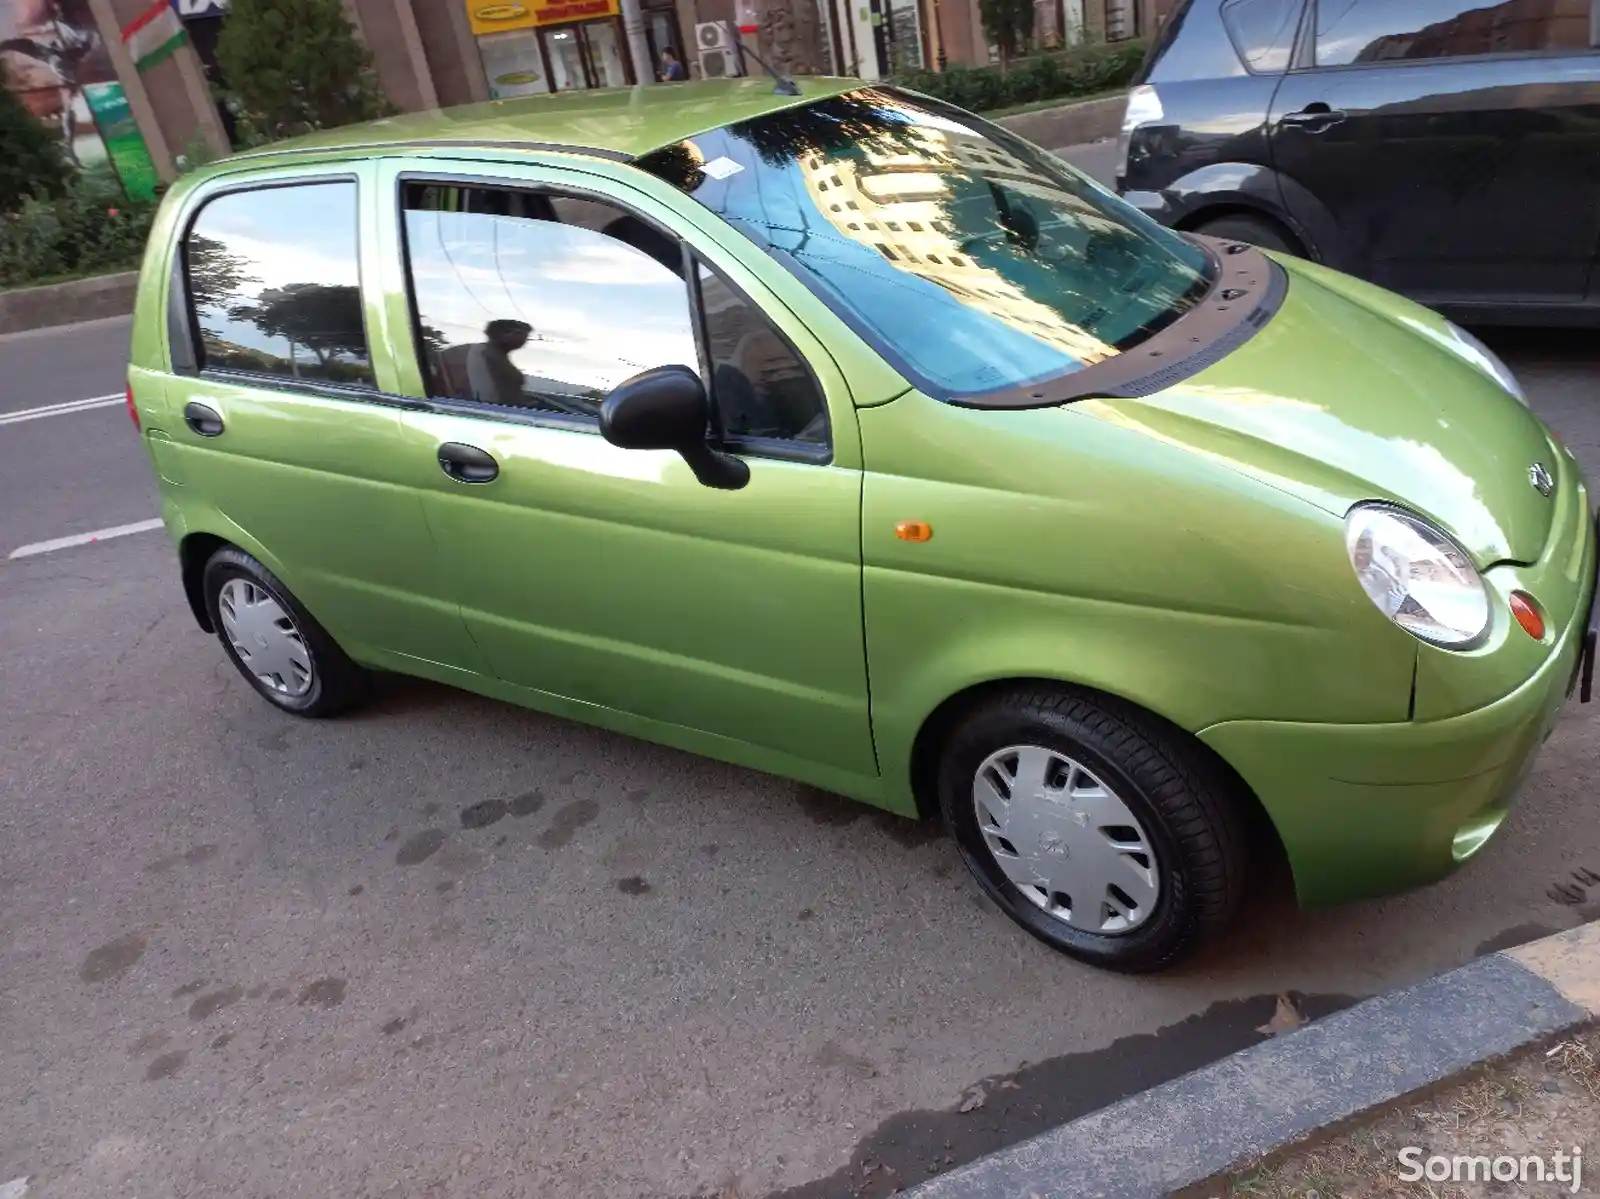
[274,284]
[1263,32]
[1357,32]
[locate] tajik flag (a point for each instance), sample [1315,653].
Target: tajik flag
[154,34]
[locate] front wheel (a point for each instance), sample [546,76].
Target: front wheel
[276,644]
[1101,831]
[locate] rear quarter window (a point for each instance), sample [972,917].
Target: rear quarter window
[1263,32]
[1193,44]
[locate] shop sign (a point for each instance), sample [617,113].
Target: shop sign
[495,16]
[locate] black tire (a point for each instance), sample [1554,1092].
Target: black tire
[1185,802]
[1257,230]
[336,684]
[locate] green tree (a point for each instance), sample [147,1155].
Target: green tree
[31,161]
[293,66]
[1009,25]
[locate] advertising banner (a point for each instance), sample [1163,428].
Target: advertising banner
[124,143]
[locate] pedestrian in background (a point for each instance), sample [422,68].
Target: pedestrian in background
[671,68]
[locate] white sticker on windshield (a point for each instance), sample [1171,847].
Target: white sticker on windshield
[721,168]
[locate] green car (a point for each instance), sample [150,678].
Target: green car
[842,434]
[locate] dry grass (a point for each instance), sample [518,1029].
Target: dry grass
[1534,1103]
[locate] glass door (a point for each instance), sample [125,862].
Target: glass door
[606,67]
[566,60]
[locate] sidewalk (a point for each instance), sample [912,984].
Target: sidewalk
[1540,1102]
[1443,1052]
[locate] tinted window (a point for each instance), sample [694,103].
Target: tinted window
[275,285]
[1263,31]
[1363,31]
[760,387]
[538,301]
[972,260]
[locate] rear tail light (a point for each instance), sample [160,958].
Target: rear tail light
[133,412]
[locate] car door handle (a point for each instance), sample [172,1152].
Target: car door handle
[1313,118]
[467,463]
[203,420]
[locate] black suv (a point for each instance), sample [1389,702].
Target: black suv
[1447,149]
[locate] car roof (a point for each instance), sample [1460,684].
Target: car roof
[620,123]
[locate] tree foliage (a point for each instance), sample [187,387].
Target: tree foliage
[1009,25]
[293,66]
[31,160]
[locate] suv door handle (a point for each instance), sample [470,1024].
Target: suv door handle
[1313,118]
[467,463]
[203,420]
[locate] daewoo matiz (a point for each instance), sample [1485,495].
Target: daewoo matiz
[844,435]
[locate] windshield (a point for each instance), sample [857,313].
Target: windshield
[972,261]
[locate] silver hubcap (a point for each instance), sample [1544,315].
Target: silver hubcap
[1066,840]
[264,637]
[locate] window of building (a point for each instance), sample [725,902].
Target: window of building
[1372,31]
[759,384]
[542,302]
[1263,32]
[274,284]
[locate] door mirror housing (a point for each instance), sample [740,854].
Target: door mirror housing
[666,408]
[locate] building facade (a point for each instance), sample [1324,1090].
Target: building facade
[440,53]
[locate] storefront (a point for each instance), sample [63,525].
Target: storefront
[530,47]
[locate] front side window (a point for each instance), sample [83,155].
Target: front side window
[274,284]
[1357,32]
[972,261]
[528,300]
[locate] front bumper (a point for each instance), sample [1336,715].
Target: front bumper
[1365,810]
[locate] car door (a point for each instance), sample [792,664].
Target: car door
[1456,144]
[611,580]
[283,429]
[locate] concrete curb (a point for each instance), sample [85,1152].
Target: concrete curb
[1269,1096]
[67,303]
[1069,124]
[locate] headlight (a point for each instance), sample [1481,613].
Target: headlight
[1417,576]
[1488,360]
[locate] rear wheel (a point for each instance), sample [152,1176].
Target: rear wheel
[1257,230]
[274,642]
[1103,832]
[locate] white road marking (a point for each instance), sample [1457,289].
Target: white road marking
[70,406]
[66,543]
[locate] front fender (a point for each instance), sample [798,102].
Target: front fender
[1071,544]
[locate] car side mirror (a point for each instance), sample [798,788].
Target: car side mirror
[666,408]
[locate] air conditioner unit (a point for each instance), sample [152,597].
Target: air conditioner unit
[713,35]
[718,49]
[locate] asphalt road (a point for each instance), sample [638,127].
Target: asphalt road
[448,947]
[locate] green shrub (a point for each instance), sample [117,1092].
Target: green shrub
[1061,76]
[90,228]
[31,160]
[293,66]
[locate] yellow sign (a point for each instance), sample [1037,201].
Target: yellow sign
[525,14]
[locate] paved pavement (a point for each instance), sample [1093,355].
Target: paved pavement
[447,947]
